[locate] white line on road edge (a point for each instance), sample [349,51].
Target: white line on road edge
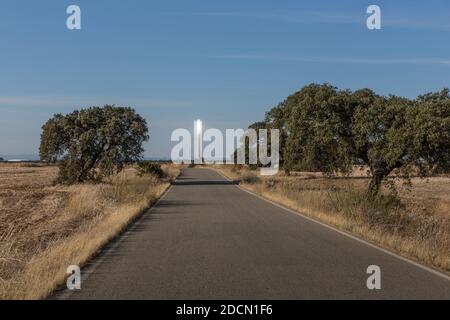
[96,261]
[435,272]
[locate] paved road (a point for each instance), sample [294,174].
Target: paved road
[207,239]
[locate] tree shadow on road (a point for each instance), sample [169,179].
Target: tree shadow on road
[203,183]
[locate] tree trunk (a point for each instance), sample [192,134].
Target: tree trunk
[378,175]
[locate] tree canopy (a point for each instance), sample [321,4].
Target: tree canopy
[92,143]
[330,130]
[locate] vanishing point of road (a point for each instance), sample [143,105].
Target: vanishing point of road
[208,239]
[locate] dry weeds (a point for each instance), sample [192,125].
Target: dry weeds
[46,228]
[415,223]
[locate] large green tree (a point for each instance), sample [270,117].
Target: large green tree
[318,130]
[93,143]
[330,130]
[410,136]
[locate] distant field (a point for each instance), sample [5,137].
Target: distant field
[45,228]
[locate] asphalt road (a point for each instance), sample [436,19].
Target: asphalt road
[208,239]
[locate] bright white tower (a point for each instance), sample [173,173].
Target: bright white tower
[198,141]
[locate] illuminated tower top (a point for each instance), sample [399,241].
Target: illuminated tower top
[198,141]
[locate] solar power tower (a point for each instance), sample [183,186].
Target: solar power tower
[198,141]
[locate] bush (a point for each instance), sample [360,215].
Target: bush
[147,167]
[249,178]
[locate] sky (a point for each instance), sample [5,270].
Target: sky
[225,62]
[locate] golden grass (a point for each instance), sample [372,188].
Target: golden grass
[45,228]
[416,223]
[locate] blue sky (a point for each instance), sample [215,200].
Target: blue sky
[226,62]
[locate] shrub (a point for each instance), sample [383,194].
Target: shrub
[147,167]
[249,177]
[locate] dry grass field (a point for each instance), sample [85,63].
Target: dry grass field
[414,223]
[45,228]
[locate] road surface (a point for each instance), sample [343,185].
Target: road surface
[208,239]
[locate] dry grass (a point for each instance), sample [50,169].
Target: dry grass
[415,223]
[172,170]
[46,228]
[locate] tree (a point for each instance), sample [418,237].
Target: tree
[380,133]
[246,147]
[410,136]
[429,133]
[318,130]
[276,118]
[330,130]
[93,143]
